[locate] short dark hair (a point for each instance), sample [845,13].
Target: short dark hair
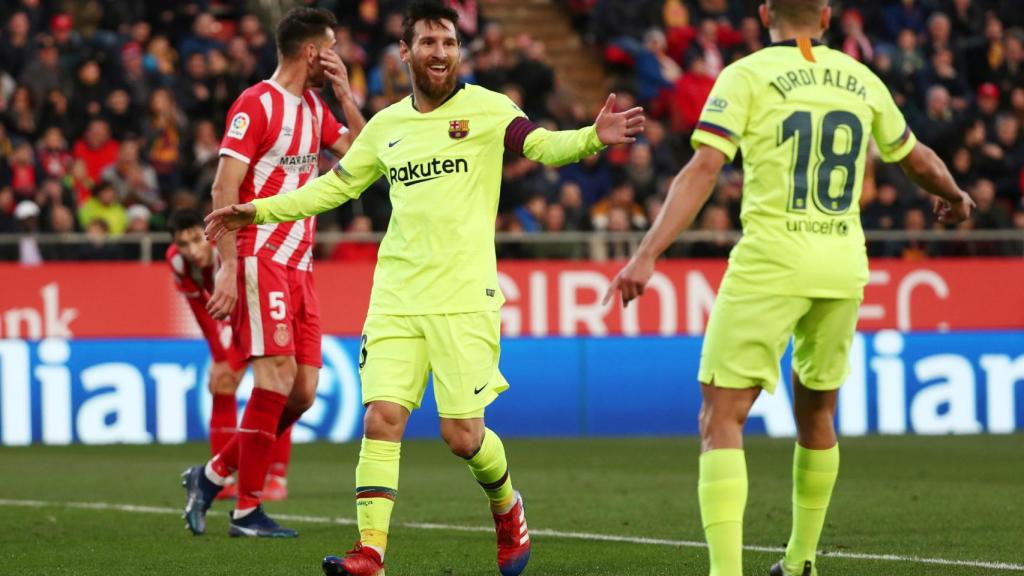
[183,220]
[799,12]
[300,25]
[429,10]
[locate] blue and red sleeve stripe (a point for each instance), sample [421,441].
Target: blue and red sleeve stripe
[901,140]
[716,130]
[516,133]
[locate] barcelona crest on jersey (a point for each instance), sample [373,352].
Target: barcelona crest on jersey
[458,129]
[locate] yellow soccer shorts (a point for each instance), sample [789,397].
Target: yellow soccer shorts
[747,335]
[397,354]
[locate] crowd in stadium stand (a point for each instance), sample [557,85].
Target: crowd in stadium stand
[111,111]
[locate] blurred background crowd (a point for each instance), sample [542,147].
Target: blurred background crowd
[111,111]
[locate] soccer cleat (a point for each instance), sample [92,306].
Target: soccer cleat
[359,561]
[257,524]
[275,489]
[778,570]
[200,493]
[513,539]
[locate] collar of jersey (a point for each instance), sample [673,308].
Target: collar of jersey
[792,43]
[288,95]
[458,88]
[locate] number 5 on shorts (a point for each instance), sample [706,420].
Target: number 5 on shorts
[277,305]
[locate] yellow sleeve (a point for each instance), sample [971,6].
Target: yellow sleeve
[355,172]
[725,114]
[561,147]
[889,128]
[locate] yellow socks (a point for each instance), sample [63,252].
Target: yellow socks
[490,469]
[722,490]
[376,490]
[814,475]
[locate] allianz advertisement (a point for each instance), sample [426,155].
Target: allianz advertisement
[58,391]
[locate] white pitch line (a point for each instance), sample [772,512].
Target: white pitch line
[131,508]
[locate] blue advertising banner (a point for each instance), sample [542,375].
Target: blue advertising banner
[144,391]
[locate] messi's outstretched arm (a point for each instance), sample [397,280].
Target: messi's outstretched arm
[347,181]
[568,146]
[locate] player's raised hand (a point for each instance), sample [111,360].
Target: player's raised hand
[224,220]
[619,127]
[954,212]
[337,73]
[631,280]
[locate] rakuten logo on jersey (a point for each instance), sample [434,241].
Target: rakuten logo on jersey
[432,169]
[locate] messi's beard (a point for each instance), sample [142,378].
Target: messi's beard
[432,90]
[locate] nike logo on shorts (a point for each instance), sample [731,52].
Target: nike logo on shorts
[480,389]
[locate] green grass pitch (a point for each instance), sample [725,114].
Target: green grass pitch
[946,498]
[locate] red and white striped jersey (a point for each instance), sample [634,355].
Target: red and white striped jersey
[279,136]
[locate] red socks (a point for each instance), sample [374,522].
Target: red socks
[282,451]
[223,421]
[255,440]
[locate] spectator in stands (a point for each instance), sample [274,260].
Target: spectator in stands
[531,214]
[989,215]
[940,127]
[987,106]
[138,217]
[43,72]
[939,35]
[967,19]
[715,220]
[469,18]
[69,44]
[203,38]
[89,90]
[622,197]
[690,93]
[161,59]
[122,115]
[554,222]
[908,60]
[1011,74]
[640,171]
[903,15]
[134,180]
[533,75]
[884,212]
[56,113]
[21,117]
[390,78]
[618,221]
[23,170]
[15,45]
[7,204]
[592,175]
[856,43]
[259,46]
[913,248]
[205,153]
[574,214]
[97,149]
[706,45]
[98,245]
[103,205]
[27,215]
[942,72]
[51,196]
[162,132]
[52,154]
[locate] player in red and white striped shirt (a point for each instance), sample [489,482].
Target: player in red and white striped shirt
[271,143]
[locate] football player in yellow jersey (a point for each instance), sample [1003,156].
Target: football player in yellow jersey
[802,115]
[435,302]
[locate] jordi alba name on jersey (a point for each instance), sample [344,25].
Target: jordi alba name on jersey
[802,115]
[444,168]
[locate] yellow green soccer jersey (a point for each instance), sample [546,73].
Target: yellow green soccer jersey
[801,114]
[444,168]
